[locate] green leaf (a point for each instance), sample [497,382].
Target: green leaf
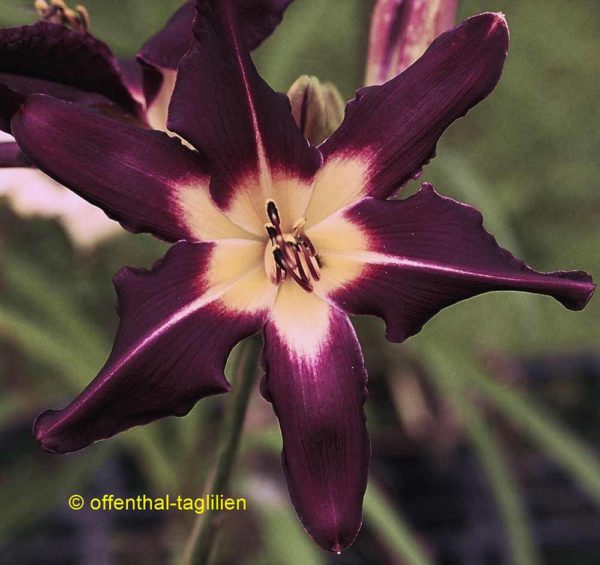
[31,488]
[488,448]
[45,347]
[392,529]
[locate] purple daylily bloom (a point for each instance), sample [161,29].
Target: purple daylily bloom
[276,236]
[401,31]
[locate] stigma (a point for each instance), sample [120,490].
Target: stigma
[290,255]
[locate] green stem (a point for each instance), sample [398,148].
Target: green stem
[201,542]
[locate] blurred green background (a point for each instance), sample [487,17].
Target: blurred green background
[509,381]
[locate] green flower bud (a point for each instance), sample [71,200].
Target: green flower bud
[318,108]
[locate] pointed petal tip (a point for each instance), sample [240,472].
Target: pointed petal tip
[337,538]
[42,433]
[494,18]
[591,290]
[580,289]
[574,292]
[494,24]
[344,541]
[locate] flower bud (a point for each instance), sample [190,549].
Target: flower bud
[318,108]
[401,31]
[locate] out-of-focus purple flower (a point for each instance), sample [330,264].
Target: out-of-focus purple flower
[401,31]
[277,236]
[58,56]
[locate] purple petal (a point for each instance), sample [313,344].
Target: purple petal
[428,252]
[391,131]
[164,51]
[54,54]
[259,18]
[316,380]
[15,88]
[401,31]
[225,110]
[174,338]
[144,179]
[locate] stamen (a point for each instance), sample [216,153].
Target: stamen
[301,270]
[272,232]
[273,213]
[299,226]
[279,275]
[311,267]
[57,12]
[278,255]
[294,254]
[308,243]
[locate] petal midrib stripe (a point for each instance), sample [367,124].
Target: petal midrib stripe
[377,258]
[212,295]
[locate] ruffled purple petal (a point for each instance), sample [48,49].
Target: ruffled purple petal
[54,54]
[170,351]
[392,130]
[428,252]
[316,380]
[224,108]
[401,31]
[135,175]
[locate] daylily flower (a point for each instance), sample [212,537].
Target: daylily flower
[58,56]
[401,31]
[276,236]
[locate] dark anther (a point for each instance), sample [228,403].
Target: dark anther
[273,213]
[272,232]
[278,256]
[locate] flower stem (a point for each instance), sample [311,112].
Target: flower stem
[201,542]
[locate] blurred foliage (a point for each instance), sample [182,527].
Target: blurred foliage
[526,157]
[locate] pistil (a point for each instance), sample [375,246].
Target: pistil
[294,255]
